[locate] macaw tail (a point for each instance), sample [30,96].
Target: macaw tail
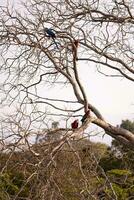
[55,43]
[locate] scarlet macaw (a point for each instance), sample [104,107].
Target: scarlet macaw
[75,124]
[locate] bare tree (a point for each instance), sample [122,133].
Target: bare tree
[92,31]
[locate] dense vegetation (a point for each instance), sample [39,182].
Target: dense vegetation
[53,56]
[78,170]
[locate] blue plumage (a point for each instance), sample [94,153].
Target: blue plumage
[51,34]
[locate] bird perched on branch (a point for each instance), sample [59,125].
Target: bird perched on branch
[76,43]
[51,34]
[85,116]
[75,48]
[75,124]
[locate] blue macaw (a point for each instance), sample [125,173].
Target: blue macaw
[51,34]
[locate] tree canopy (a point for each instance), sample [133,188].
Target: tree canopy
[95,32]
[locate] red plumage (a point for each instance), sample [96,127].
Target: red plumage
[75,124]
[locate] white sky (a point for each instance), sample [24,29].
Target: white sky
[114,97]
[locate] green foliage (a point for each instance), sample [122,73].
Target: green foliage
[120,172]
[76,173]
[118,164]
[11,183]
[7,185]
[127,124]
[68,175]
[109,161]
[126,154]
[121,193]
[121,184]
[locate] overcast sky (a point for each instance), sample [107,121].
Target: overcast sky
[114,97]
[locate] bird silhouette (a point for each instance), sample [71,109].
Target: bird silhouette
[76,43]
[75,124]
[75,48]
[85,116]
[51,34]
